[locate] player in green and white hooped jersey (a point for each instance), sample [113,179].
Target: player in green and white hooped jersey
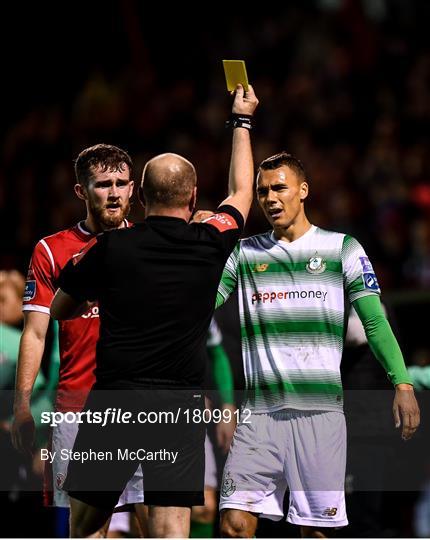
[291,283]
[203,517]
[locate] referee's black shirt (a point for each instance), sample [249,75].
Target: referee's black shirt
[156,286]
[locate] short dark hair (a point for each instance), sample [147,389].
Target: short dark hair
[105,156]
[284,158]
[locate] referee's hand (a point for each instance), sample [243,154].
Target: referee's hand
[405,410]
[244,102]
[201,215]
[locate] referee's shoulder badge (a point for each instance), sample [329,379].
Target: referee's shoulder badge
[316,264]
[223,222]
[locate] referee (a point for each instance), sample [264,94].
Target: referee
[155,284]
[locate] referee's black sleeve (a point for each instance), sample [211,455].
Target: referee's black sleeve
[80,278]
[226,226]
[234,213]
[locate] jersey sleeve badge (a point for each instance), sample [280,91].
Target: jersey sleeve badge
[223,222]
[366,264]
[370,281]
[30,290]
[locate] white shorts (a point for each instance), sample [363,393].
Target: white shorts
[63,437]
[211,479]
[120,522]
[302,450]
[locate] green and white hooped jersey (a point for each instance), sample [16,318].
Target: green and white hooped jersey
[291,303]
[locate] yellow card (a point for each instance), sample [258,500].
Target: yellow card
[235,73]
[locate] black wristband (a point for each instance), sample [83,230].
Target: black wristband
[239,120]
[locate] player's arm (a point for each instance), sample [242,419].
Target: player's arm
[224,383]
[78,282]
[45,401]
[64,307]
[241,175]
[387,351]
[222,372]
[31,349]
[228,281]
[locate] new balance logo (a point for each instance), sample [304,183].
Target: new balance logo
[331,512]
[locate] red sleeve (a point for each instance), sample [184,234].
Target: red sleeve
[224,227]
[226,218]
[40,285]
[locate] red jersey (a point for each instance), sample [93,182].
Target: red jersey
[77,337]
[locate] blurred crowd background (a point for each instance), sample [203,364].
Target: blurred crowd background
[343,84]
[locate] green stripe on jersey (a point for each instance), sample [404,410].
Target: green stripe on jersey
[292,327]
[296,389]
[253,344]
[291,303]
[299,388]
[276,268]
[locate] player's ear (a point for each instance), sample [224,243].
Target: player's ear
[140,196]
[193,200]
[304,191]
[81,192]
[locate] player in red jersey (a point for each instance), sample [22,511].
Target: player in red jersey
[103,182]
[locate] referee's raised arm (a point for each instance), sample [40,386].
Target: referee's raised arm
[241,174]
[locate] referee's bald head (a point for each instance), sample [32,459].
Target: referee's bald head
[168,181]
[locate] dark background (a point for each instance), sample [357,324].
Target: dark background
[343,84]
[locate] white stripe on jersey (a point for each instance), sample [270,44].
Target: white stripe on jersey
[291,307]
[34,307]
[49,252]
